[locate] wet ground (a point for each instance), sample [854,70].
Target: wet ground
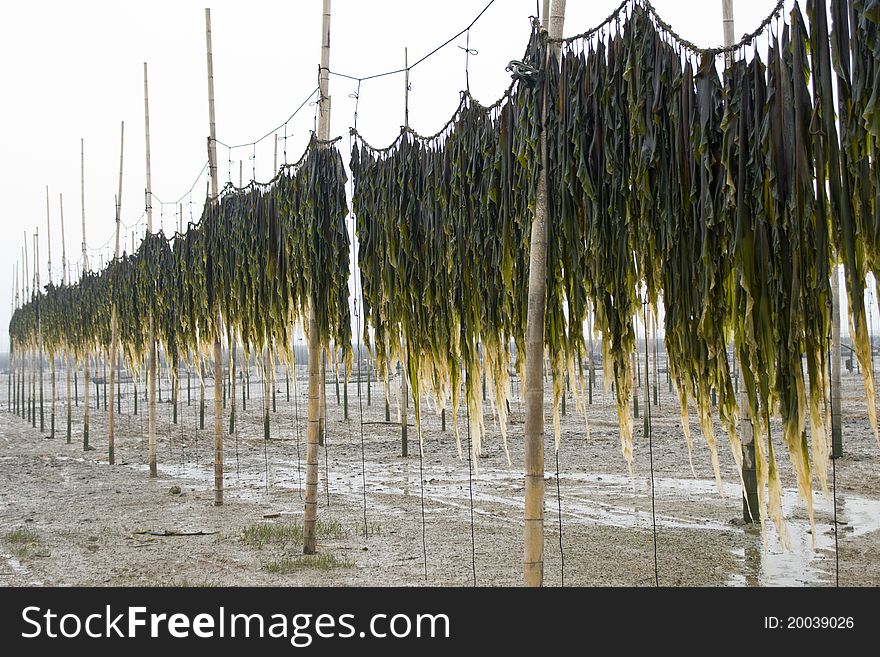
[83,517]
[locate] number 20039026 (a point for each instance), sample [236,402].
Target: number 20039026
[808,622]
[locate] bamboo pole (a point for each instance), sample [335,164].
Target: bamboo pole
[218,347]
[233,345]
[402,366]
[25,284]
[636,371]
[592,374]
[749,475]
[27,270]
[646,425]
[151,332]
[65,278]
[39,329]
[13,356]
[654,321]
[25,358]
[201,392]
[22,377]
[39,323]
[85,267]
[49,280]
[404,410]
[836,396]
[322,409]
[266,385]
[267,382]
[322,429]
[533,557]
[25,388]
[310,512]
[114,326]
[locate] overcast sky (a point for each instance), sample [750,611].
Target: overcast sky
[74,70]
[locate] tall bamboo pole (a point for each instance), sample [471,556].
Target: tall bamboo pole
[22,398]
[274,362]
[267,382]
[26,284]
[28,356]
[218,347]
[33,359]
[85,267]
[533,558]
[151,332]
[114,327]
[13,370]
[135,372]
[310,514]
[65,279]
[404,410]
[592,376]
[749,475]
[402,368]
[836,396]
[233,345]
[654,321]
[26,362]
[49,280]
[27,270]
[322,400]
[39,322]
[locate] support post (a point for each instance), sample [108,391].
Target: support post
[52,350]
[218,347]
[114,328]
[151,333]
[310,514]
[85,267]
[836,396]
[749,475]
[533,558]
[404,411]
[39,322]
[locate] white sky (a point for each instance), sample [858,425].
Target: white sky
[75,70]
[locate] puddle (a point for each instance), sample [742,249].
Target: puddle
[805,564]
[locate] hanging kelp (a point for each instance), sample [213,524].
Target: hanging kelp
[782,253]
[443,230]
[255,261]
[437,268]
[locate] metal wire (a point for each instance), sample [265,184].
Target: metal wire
[419,61]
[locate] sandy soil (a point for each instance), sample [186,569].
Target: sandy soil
[84,515]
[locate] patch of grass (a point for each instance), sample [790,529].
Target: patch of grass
[25,543]
[22,537]
[288,565]
[262,534]
[332,529]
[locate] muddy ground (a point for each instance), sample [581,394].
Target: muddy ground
[69,518]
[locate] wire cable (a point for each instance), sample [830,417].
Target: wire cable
[419,61]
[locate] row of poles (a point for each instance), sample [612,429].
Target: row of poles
[533,385]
